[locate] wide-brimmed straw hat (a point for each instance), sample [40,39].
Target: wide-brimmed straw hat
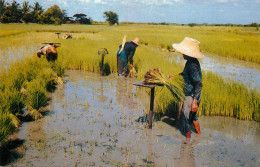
[136,41]
[189,47]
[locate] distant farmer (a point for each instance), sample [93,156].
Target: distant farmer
[126,53]
[67,36]
[49,51]
[193,83]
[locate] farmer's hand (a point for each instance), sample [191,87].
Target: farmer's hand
[194,106]
[131,66]
[170,76]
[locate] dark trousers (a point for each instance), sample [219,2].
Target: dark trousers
[187,116]
[121,66]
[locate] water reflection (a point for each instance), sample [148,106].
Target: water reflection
[124,95]
[101,97]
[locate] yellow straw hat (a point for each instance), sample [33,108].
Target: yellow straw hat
[136,41]
[189,47]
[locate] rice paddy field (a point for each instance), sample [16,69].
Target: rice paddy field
[27,87]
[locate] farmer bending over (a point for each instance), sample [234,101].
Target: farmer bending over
[193,83]
[49,51]
[124,54]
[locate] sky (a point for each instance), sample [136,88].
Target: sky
[172,11]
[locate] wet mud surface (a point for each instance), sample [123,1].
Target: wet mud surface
[91,121]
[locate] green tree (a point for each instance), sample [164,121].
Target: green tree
[26,7]
[111,17]
[53,15]
[12,13]
[2,7]
[37,12]
[81,18]
[26,12]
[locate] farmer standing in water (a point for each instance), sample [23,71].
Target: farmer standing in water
[193,83]
[126,53]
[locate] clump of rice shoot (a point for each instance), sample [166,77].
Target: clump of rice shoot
[175,84]
[35,114]
[132,73]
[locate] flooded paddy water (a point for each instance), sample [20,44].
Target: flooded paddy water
[91,121]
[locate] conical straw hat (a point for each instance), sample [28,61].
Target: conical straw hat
[136,41]
[189,47]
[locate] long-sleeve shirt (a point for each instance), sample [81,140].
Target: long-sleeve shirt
[129,49]
[192,78]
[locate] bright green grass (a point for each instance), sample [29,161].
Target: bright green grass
[35,76]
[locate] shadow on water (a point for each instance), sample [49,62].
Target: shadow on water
[8,152]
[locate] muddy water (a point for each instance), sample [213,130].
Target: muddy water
[10,53]
[92,122]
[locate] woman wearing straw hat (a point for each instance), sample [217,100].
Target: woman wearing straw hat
[126,53]
[193,83]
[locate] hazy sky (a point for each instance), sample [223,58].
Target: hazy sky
[175,11]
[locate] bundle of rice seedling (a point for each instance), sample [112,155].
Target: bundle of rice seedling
[35,114]
[155,76]
[132,73]
[174,84]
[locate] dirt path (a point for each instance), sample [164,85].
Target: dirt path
[92,122]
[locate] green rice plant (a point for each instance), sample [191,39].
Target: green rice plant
[228,99]
[15,121]
[47,78]
[58,68]
[6,126]
[12,101]
[36,96]
[175,84]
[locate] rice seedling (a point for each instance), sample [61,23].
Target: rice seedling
[174,85]
[12,101]
[35,114]
[24,83]
[36,96]
[15,121]
[6,126]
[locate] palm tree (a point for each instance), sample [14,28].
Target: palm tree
[26,11]
[37,11]
[12,13]
[26,7]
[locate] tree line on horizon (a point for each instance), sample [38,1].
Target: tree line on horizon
[25,13]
